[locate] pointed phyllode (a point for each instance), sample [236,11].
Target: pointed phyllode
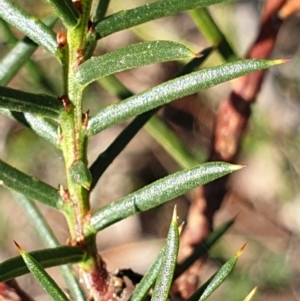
[279,61]
[175,216]
[241,250]
[19,248]
[180,228]
[251,294]
[235,167]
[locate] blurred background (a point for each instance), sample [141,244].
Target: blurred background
[264,198]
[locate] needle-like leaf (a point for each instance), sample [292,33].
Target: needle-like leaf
[12,62]
[47,283]
[49,241]
[173,89]
[114,86]
[15,267]
[42,127]
[132,56]
[101,10]
[166,271]
[159,192]
[31,26]
[67,11]
[149,278]
[9,66]
[42,105]
[251,294]
[207,26]
[148,12]
[168,139]
[29,186]
[202,248]
[221,275]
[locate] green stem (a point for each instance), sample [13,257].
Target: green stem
[74,147]
[72,125]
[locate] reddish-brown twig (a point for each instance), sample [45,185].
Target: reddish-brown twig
[230,124]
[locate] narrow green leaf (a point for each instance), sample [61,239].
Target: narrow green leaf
[39,76]
[67,12]
[29,25]
[221,275]
[43,128]
[198,293]
[148,12]
[16,116]
[49,241]
[173,89]
[132,56]
[212,33]
[18,55]
[149,278]
[168,139]
[43,105]
[39,125]
[159,192]
[10,39]
[101,10]
[29,186]
[251,294]
[9,66]
[195,63]
[114,86]
[91,43]
[147,282]
[80,174]
[14,60]
[37,220]
[15,267]
[166,271]
[106,158]
[202,248]
[47,283]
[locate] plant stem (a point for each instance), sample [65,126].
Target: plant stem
[73,141]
